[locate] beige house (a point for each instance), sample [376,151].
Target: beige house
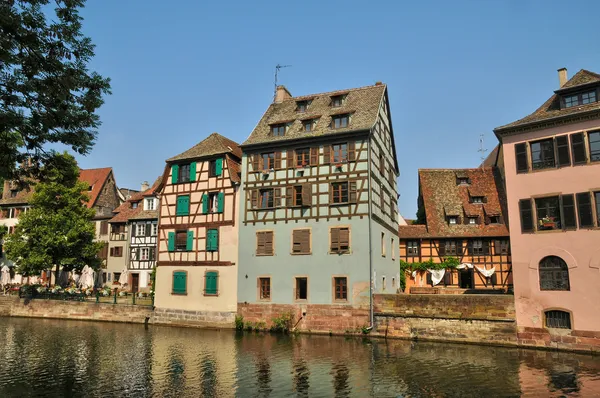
[198,234]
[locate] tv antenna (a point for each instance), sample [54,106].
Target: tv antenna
[481,149]
[277,67]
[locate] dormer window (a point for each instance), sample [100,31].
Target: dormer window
[134,205]
[340,121]
[278,130]
[580,99]
[477,199]
[452,220]
[308,125]
[494,219]
[302,106]
[90,188]
[472,220]
[463,181]
[337,101]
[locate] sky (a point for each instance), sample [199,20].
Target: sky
[181,70]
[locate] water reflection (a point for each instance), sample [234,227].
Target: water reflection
[61,358]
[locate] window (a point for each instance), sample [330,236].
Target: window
[339,240]
[548,213]
[308,125]
[301,241]
[562,151]
[452,220]
[150,204]
[542,154]
[212,202]
[140,229]
[212,240]
[571,100]
[477,199]
[337,101]
[154,229]
[103,227]
[412,248]
[584,210]
[145,254]
[297,195]
[558,319]
[211,283]
[116,276]
[134,205]
[184,173]
[340,288]
[580,99]
[215,167]
[554,274]
[578,148]
[383,244]
[302,106]
[266,198]
[502,247]
[463,181]
[181,240]
[597,200]
[478,247]
[393,248]
[268,161]
[451,248]
[340,153]
[278,130]
[264,288]
[14,193]
[340,121]
[339,192]
[264,243]
[594,141]
[472,220]
[116,251]
[494,219]
[183,205]
[179,282]
[302,157]
[301,290]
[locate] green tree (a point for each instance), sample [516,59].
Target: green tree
[47,93]
[58,229]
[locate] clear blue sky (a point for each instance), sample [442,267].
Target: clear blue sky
[183,69]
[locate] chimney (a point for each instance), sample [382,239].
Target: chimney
[281,94]
[378,83]
[145,186]
[562,76]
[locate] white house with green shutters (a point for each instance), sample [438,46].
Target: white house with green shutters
[198,235]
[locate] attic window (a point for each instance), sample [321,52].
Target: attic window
[134,205]
[90,187]
[452,220]
[580,99]
[340,121]
[477,199]
[472,220]
[463,180]
[302,106]
[13,193]
[337,101]
[494,219]
[278,130]
[308,125]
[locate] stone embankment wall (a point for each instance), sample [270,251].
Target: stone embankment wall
[200,319]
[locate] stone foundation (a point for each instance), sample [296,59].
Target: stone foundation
[560,339]
[200,319]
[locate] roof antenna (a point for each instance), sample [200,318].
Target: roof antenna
[481,149]
[277,67]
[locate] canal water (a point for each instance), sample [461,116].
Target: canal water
[52,358]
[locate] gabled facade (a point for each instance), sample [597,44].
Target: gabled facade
[462,215]
[552,172]
[198,233]
[319,205]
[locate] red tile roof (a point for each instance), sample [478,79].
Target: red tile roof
[96,179]
[443,196]
[126,212]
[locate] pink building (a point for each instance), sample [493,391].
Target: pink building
[551,162]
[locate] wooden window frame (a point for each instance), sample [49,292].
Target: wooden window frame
[308,126]
[578,143]
[309,242]
[302,157]
[302,106]
[579,98]
[337,101]
[262,191]
[295,289]
[181,174]
[256,243]
[270,159]
[565,284]
[581,213]
[538,222]
[341,121]
[341,252]
[275,130]
[177,247]
[334,297]
[339,192]
[206,272]
[259,288]
[173,280]
[544,163]
[338,150]
[589,146]
[409,249]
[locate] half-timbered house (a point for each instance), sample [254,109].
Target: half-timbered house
[198,233]
[319,204]
[462,214]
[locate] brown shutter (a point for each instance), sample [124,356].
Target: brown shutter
[334,243]
[306,194]
[269,243]
[290,159]
[112,251]
[352,196]
[277,197]
[254,198]
[344,238]
[578,148]
[260,243]
[255,161]
[277,160]
[526,215]
[314,156]
[442,248]
[521,158]
[301,241]
[351,151]
[326,154]
[289,198]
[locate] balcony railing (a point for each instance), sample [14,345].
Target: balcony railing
[118,236]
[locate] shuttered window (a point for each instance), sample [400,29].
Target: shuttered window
[179,282]
[568,211]
[526,215]
[104,228]
[183,205]
[301,241]
[584,210]
[180,240]
[562,151]
[342,192]
[211,283]
[339,240]
[215,167]
[578,148]
[597,200]
[212,240]
[522,158]
[264,243]
[339,153]
[302,157]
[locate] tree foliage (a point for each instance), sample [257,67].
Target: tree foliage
[448,262]
[58,229]
[47,93]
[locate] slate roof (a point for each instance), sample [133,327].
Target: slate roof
[214,144]
[126,212]
[550,110]
[362,103]
[442,196]
[96,179]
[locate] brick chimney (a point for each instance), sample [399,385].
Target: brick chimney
[145,186]
[281,94]
[378,83]
[562,76]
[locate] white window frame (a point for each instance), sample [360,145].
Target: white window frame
[144,254]
[154,229]
[137,229]
[149,204]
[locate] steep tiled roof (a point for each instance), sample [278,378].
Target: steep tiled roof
[490,160]
[22,197]
[214,144]
[442,196]
[551,108]
[362,103]
[96,179]
[126,212]
[235,172]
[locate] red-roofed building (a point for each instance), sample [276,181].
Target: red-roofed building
[463,215]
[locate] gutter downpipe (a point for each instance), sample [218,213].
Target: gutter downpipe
[371,312]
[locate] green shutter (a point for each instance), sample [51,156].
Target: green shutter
[205,204]
[174,173]
[179,282]
[212,240]
[211,283]
[219,167]
[193,171]
[220,202]
[171,245]
[190,241]
[183,205]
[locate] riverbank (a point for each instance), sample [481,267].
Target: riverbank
[470,319]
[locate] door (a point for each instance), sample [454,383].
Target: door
[135,282]
[465,278]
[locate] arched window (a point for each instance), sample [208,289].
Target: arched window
[558,319]
[554,274]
